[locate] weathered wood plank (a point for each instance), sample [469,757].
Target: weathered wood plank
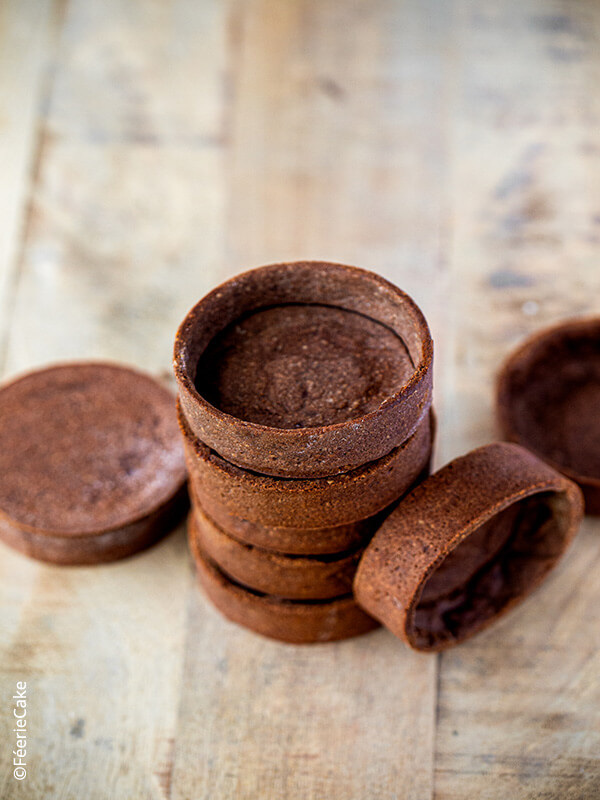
[339,137]
[518,706]
[123,235]
[262,719]
[337,151]
[26,33]
[125,227]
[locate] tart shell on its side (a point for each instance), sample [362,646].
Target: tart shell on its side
[466,545]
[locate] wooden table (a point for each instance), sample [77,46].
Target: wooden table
[152,149]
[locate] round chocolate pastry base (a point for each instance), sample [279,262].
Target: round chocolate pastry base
[296,541]
[299,541]
[101,547]
[549,401]
[318,502]
[91,463]
[284,575]
[467,545]
[294,621]
[306,369]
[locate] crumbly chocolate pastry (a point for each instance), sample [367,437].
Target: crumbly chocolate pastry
[307,369]
[91,463]
[288,576]
[313,503]
[296,540]
[466,545]
[302,366]
[548,400]
[294,621]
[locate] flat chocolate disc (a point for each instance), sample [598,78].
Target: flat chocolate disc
[91,463]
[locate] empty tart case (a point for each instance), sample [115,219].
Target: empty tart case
[316,502]
[91,464]
[294,621]
[284,575]
[548,400]
[466,545]
[293,540]
[372,420]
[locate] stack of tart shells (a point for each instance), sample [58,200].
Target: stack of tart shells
[282,512]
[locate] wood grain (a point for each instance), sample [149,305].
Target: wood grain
[263,719]
[518,706]
[26,37]
[124,234]
[125,229]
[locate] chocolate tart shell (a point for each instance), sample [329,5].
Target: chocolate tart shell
[312,451]
[548,400]
[91,464]
[293,578]
[467,545]
[100,547]
[296,622]
[295,541]
[315,503]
